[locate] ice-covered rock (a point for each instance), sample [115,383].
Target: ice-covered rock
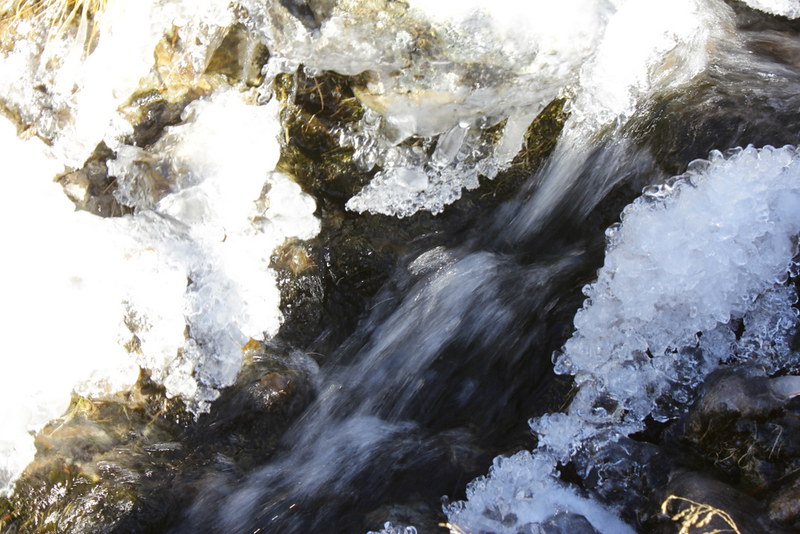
[178,288]
[437,78]
[71,84]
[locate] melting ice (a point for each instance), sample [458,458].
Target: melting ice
[444,75]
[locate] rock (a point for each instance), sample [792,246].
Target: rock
[625,473]
[239,57]
[566,523]
[736,392]
[784,508]
[91,188]
[747,426]
[105,466]
[702,505]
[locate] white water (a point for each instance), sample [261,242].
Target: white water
[682,262]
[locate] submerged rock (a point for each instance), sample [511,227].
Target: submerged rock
[563,523]
[746,430]
[104,467]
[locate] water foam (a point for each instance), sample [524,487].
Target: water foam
[689,258]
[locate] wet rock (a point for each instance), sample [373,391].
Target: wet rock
[625,474]
[747,425]
[316,108]
[702,505]
[239,58]
[150,113]
[736,392]
[312,13]
[104,467]
[739,448]
[563,523]
[91,188]
[784,508]
[301,281]
[719,110]
[245,423]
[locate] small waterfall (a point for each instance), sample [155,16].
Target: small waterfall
[519,298]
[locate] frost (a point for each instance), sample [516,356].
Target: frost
[691,260]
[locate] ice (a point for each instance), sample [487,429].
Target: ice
[638,53]
[389,528]
[70,88]
[660,317]
[787,8]
[675,270]
[523,491]
[178,288]
[442,75]
[217,166]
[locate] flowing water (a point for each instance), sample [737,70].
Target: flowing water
[482,316]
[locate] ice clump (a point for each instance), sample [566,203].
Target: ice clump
[70,89]
[436,78]
[441,75]
[689,256]
[389,528]
[178,288]
[522,492]
[691,260]
[787,8]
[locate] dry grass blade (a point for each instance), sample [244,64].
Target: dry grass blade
[454,529]
[699,515]
[55,14]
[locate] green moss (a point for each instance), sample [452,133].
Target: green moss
[542,135]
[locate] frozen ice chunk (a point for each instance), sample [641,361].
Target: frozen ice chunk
[786,8]
[442,75]
[674,270]
[521,492]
